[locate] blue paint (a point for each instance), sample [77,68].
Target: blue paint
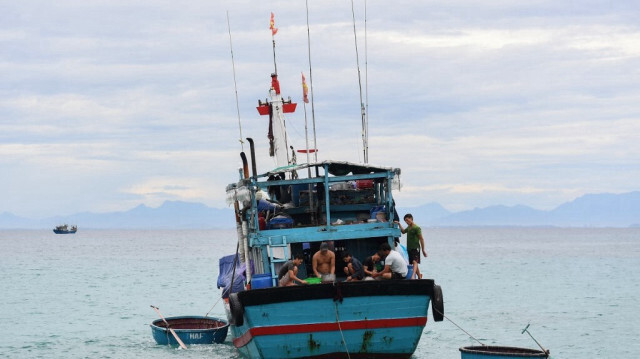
[398,340]
[295,193]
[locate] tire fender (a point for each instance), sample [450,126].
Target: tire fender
[437,304]
[237,310]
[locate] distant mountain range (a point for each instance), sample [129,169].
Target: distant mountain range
[170,215]
[591,210]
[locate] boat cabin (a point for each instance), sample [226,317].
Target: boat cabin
[350,206]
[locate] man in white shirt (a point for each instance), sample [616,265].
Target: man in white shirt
[395,267]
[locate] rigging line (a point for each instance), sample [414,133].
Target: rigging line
[459,327]
[206,315]
[339,327]
[235,84]
[313,112]
[365,145]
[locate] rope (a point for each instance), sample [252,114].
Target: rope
[459,327]
[341,334]
[213,306]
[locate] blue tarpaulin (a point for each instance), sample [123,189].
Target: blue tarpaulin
[280,222]
[226,272]
[264,205]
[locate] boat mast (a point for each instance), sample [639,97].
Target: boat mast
[275,107]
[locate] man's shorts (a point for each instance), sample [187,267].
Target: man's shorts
[284,280]
[414,255]
[395,275]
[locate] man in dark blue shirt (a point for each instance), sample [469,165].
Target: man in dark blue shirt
[353,270]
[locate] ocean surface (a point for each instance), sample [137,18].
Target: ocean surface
[87,295]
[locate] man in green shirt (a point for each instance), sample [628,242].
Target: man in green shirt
[415,243]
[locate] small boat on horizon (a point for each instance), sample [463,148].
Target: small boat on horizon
[65,229]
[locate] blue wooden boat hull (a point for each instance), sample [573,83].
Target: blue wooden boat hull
[191,330]
[370,319]
[499,352]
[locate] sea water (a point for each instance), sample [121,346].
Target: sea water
[87,295]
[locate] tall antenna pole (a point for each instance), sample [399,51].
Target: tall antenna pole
[366,75]
[235,84]
[275,66]
[306,128]
[274,30]
[365,135]
[313,113]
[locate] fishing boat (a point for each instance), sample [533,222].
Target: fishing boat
[293,209]
[65,229]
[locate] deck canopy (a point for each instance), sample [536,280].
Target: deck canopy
[335,168]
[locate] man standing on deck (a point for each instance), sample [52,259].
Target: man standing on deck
[324,263]
[415,242]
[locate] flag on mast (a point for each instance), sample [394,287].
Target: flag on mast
[272,26]
[305,89]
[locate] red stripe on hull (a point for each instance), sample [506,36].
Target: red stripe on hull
[327,327]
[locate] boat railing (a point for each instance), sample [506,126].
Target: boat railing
[320,234]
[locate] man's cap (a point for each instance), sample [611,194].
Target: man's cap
[324,246]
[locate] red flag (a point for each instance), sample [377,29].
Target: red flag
[272,26]
[305,89]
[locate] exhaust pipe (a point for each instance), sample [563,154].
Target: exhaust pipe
[253,157]
[245,165]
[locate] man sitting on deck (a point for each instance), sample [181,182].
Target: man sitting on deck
[371,265]
[288,273]
[324,263]
[395,266]
[353,270]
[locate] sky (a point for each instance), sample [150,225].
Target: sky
[105,105]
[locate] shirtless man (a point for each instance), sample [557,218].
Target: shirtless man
[324,263]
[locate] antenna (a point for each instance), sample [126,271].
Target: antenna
[313,113]
[366,74]
[365,134]
[274,30]
[235,84]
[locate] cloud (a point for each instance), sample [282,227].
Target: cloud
[110,103]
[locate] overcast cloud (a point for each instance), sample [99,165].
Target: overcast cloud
[108,104]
